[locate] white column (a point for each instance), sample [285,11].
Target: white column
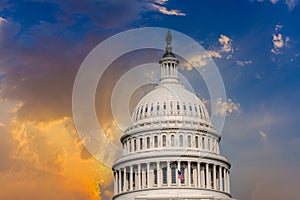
[220,178]
[179,181]
[158,174]
[207,176]
[168,174]
[228,181]
[115,182]
[198,175]
[139,176]
[214,177]
[148,175]
[143,177]
[202,176]
[224,182]
[189,174]
[131,178]
[124,180]
[120,181]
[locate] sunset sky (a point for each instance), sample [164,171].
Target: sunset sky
[254,43]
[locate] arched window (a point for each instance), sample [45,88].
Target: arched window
[134,145]
[141,143]
[196,142]
[203,143]
[164,141]
[189,140]
[130,146]
[165,106]
[172,140]
[208,143]
[157,107]
[178,106]
[148,142]
[155,141]
[181,141]
[146,110]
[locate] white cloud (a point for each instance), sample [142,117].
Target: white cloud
[165,11]
[224,108]
[279,41]
[263,135]
[291,4]
[2,20]
[214,54]
[274,1]
[225,41]
[243,63]
[161,2]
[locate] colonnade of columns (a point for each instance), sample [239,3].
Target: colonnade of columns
[166,174]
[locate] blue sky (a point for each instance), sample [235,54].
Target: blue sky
[256,46]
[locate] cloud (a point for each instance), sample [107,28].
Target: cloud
[161,2]
[214,54]
[279,41]
[224,108]
[225,41]
[263,135]
[2,20]
[165,11]
[291,4]
[243,63]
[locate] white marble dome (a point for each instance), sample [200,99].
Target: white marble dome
[170,100]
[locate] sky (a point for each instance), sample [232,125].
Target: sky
[254,43]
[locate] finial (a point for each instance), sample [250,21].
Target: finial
[169,37]
[169,40]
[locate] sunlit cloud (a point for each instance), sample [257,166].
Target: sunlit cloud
[263,135]
[279,41]
[225,41]
[2,20]
[225,108]
[243,63]
[290,3]
[162,2]
[165,11]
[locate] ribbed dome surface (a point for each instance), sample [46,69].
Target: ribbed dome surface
[170,100]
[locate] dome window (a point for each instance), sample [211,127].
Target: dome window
[181,141]
[165,106]
[196,142]
[189,140]
[164,141]
[172,140]
[141,143]
[148,142]
[155,142]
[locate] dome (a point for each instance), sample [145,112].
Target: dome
[171,101]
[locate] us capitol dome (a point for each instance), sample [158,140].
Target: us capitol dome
[171,149]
